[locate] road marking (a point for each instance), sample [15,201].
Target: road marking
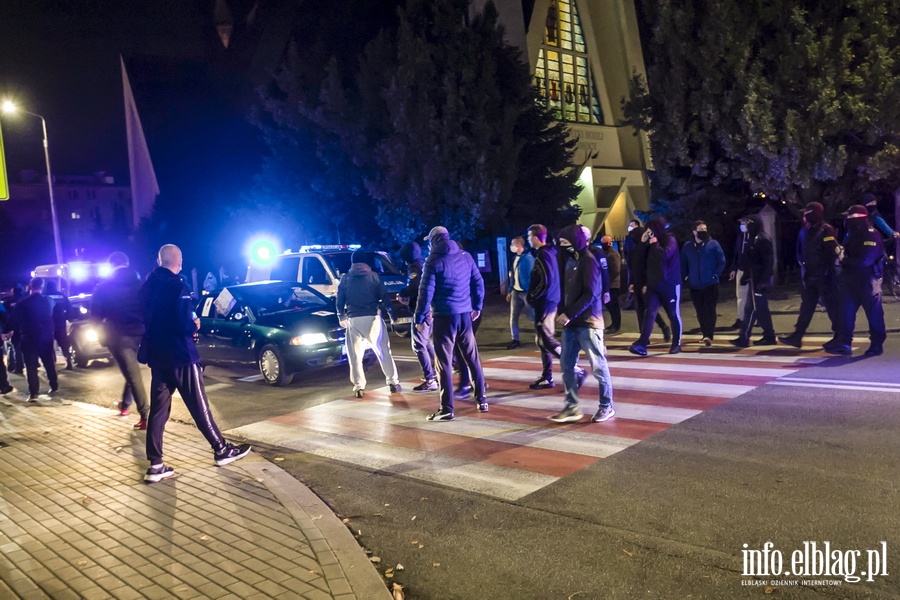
[252,378]
[839,384]
[217,386]
[513,450]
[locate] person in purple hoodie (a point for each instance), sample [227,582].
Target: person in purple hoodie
[169,349]
[662,287]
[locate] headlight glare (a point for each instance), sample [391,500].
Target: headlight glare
[91,335]
[309,339]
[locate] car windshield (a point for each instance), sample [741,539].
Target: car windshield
[380,263]
[268,299]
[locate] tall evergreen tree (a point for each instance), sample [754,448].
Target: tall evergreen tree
[797,100]
[439,123]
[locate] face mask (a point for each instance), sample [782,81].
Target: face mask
[703,236]
[743,228]
[606,246]
[630,228]
[570,250]
[513,249]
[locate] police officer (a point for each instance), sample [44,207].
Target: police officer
[817,253]
[860,284]
[757,262]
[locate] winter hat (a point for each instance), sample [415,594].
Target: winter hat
[869,199]
[358,256]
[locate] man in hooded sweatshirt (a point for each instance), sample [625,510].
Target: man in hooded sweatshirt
[817,252]
[757,263]
[581,316]
[862,269]
[116,303]
[662,287]
[411,253]
[169,349]
[451,294]
[361,295]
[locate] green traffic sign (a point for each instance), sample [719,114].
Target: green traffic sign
[4,182]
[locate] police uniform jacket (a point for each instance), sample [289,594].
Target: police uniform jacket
[863,254]
[817,251]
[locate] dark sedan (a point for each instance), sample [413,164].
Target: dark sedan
[282,327]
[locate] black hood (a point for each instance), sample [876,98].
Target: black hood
[575,235]
[754,226]
[161,278]
[411,252]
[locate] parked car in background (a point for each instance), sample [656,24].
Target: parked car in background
[86,336]
[321,268]
[282,327]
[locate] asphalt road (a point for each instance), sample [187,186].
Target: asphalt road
[788,462]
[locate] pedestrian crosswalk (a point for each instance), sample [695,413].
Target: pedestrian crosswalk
[513,450]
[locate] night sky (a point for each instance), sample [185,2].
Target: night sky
[61,60]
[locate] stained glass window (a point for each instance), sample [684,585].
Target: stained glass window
[562,73]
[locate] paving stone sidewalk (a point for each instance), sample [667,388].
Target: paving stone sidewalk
[77,520]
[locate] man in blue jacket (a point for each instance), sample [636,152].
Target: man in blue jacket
[451,294]
[702,263]
[169,349]
[519,278]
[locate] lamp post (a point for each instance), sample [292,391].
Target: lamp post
[10,108]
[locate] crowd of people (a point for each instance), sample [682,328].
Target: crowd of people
[564,282]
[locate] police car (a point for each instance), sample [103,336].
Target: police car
[321,267]
[77,280]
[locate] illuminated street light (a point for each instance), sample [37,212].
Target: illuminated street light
[10,108]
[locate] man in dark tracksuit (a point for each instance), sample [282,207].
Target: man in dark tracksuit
[32,317]
[757,263]
[116,304]
[411,253]
[637,278]
[817,252]
[581,315]
[860,284]
[451,290]
[168,347]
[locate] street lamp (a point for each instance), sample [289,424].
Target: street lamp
[10,108]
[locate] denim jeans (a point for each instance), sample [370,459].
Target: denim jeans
[517,304]
[590,340]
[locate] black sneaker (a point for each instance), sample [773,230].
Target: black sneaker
[482,404]
[34,398]
[741,342]
[766,340]
[463,391]
[441,415]
[359,393]
[543,383]
[231,453]
[7,391]
[513,345]
[159,473]
[395,387]
[875,350]
[791,340]
[429,385]
[638,349]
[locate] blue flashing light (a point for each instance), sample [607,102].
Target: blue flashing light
[263,251]
[104,270]
[77,272]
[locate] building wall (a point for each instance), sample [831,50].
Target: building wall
[616,157]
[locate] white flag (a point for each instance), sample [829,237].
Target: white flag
[144,187]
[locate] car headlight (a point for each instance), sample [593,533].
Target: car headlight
[91,335]
[82,310]
[308,339]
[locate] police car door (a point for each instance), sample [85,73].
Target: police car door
[316,275]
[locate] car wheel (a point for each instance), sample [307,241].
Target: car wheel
[272,367]
[81,361]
